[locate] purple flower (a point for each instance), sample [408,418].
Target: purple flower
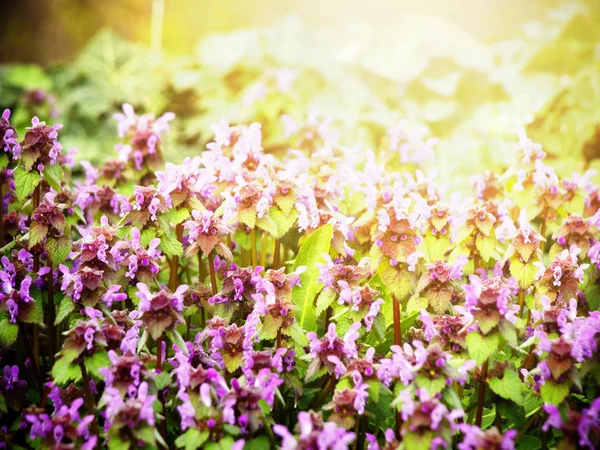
[40,145]
[474,438]
[8,136]
[314,433]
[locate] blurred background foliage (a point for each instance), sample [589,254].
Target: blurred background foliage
[474,73]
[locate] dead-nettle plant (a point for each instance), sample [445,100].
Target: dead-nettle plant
[247,299]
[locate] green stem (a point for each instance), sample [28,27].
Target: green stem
[173,275]
[213,277]
[254,260]
[276,253]
[397,322]
[481,394]
[34,361]
[263,250]
[51,315]
[37,193]
[89,398]
[159,355]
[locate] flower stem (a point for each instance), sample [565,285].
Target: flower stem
[89,398]
[481,394]
[159,355]
[173,275]
[254,255]
[36,268]
[276,253]
[213,277]
[34,360]
[51,314]
[263,250]
[521,300]
[397,322]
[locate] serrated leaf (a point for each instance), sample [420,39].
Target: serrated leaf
[433,386]
[554,393]
[283,222]
[58,249]
[324,300]
[485,247]
[37,233]
[53,174]
[170,246]
[146,236]
[192,439]
[482,347]
[310,254]
[97,361]
[398,280]
[3,160]
[437,246]
[509,386]
[285,203]
[267,224]
[25,182]
[523,273]
[65,371]
[247,216]
[8,332]
[176,216]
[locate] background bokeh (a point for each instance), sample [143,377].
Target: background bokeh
[473,74]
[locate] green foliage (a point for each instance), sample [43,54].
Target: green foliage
[310,254]
[25,182]
[482,347]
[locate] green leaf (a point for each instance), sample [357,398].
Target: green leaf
[8,332]
[116,443]
[58,249]
[509,386]
[179,341]
[3,161]
[97,361]
[35,311]
[37,233]
[176,216]
[65,371]
[489,415]
[66,307]
[25,182]
[434,386]
[163,380]
[259,443]
[283,222]
[267,224]
[247,216]
[324,300]
[485,246]
[310,254]
[437,246]
[53,174]
[146,236]
[529,443]
[298,335]
[398,280]
[417,441]
[192,439]
[170,246]
[554,393]
[523,273]
[481,347]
